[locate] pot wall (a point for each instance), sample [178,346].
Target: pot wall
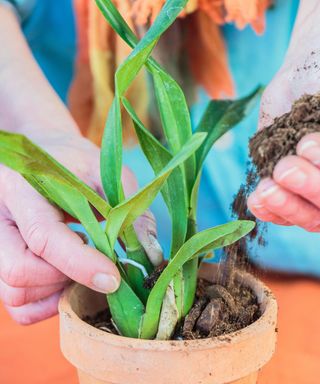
[102,358]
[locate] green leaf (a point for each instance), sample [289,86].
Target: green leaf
[66,198]
[212,238]
[219,117]
[126,310]
[111,152]
[175,119]
[20,154]
[174,190]
[111,155]
[117,22]
[125,213]
[136,60]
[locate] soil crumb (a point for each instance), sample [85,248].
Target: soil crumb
[217,311]
[266,148]
[150,281]
[103,321]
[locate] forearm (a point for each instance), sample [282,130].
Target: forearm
[28,104]
[306,33]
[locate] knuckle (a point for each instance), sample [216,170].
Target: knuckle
[313,225]
[13,273]
[14,297]
[37,238]
[71,267]
[23,319]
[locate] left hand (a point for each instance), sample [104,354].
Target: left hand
[291,196]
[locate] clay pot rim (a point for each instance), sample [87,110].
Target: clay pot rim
[259,326]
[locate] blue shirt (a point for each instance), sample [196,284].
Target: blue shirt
[50,31]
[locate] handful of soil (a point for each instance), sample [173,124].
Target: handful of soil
[280,139]
[266,148]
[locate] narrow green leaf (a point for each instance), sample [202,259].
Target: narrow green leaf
[175,119]
[117,22]
[126,310]
[212,238]
[20,154]
[111,152]
[65,197]
[173,191]
[139,56]
[125,213]
[111,155]
[219,117]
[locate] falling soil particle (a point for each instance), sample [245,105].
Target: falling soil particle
[267,147]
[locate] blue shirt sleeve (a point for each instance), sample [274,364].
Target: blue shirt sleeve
[23,8]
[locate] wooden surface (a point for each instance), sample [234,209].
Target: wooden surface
[31,355]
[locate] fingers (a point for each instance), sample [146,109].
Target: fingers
[257,208]
[19,267]
[37,311]
[309,148]
[299,176]
[145,227]
[293,194]
[288,206]
[17,297]
[41,227]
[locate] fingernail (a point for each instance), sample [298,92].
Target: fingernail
[311,150]
[105,283]
[293,177]
[268,189]
[257,206]
[308,144]
[255,202]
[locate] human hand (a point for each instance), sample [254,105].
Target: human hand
[291,196]
[39,254]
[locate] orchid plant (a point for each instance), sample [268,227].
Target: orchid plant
[136,310]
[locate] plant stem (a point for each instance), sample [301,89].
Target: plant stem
[190,271]
[135,251]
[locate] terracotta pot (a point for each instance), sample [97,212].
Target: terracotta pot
[103,358]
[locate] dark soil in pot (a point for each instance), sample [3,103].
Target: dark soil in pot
[217,311]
